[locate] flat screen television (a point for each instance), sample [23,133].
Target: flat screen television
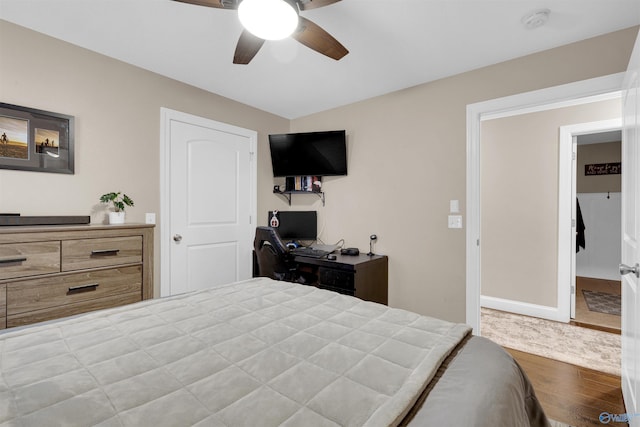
[309,154]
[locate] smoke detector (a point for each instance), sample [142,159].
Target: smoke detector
[536,18]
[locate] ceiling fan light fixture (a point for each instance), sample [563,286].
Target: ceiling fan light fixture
[268,19]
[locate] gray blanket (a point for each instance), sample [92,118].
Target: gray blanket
[479,385]
[254,353]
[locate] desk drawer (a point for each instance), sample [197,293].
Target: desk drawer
[93,253]
[30,317]
[47,293]
[29,259]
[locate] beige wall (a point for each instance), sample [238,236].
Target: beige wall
[519,213]
[117,140]
[407,159]
[407,149]
[609,152]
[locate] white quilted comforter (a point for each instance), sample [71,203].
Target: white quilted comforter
[253,353]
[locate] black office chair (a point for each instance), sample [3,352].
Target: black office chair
[275,260]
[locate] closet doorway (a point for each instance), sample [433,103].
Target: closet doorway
[596,286]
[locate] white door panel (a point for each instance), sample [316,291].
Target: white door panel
[223,159]
[204,273]
[631,237]
[211,202]
[574,228]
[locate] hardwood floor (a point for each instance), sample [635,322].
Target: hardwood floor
[572,394]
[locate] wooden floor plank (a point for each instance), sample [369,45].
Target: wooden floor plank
[572,394]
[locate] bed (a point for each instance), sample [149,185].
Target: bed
[259,353]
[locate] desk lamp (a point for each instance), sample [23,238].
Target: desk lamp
[372,238]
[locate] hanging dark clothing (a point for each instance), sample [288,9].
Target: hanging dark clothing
[580,242]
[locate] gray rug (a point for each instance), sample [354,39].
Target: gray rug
[560,341]
[603,302]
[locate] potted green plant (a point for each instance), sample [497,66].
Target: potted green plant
[119,201]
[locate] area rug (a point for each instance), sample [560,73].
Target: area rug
[603,302]
[558,424]
[559,341]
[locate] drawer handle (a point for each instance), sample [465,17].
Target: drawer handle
[101,252]
[89,286]
[11,260]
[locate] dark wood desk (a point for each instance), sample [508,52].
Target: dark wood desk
[363,276]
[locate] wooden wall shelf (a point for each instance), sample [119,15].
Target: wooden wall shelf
[289,193]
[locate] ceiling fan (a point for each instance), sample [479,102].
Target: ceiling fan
[301,29]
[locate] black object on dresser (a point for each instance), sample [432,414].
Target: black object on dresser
[362,276]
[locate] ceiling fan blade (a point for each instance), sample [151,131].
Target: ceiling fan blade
[247,47]
[219,4]
[314,4]
[314,37]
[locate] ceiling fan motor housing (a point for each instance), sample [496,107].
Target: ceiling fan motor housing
[255,17]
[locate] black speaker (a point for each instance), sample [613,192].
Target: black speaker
[350,251]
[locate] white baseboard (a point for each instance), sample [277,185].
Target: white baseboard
[524,308]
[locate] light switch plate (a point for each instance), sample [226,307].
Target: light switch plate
[455,221]
[150,218]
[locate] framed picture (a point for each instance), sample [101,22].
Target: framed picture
[603,169]
[35,140]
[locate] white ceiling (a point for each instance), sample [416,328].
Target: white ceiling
[393,44]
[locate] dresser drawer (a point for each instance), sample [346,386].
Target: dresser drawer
[67,289]
[30,317]
[3,306]
[29,259]
[104,252]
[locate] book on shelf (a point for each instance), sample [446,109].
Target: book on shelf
[304,183]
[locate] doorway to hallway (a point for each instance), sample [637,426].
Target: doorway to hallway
[528,206]
[598,304]
[554,303]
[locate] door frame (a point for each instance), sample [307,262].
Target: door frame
[566,206]
[166,116]
[554,97]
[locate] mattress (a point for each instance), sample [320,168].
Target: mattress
[257,352]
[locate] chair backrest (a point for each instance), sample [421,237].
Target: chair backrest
[274,259]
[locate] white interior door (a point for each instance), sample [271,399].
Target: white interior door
[210,202]
[631,238]
[574,228]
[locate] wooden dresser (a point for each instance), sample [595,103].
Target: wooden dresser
[47,272]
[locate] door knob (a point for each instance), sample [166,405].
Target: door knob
[625,269]
[177,237]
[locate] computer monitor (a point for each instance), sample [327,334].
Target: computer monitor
[296,225]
